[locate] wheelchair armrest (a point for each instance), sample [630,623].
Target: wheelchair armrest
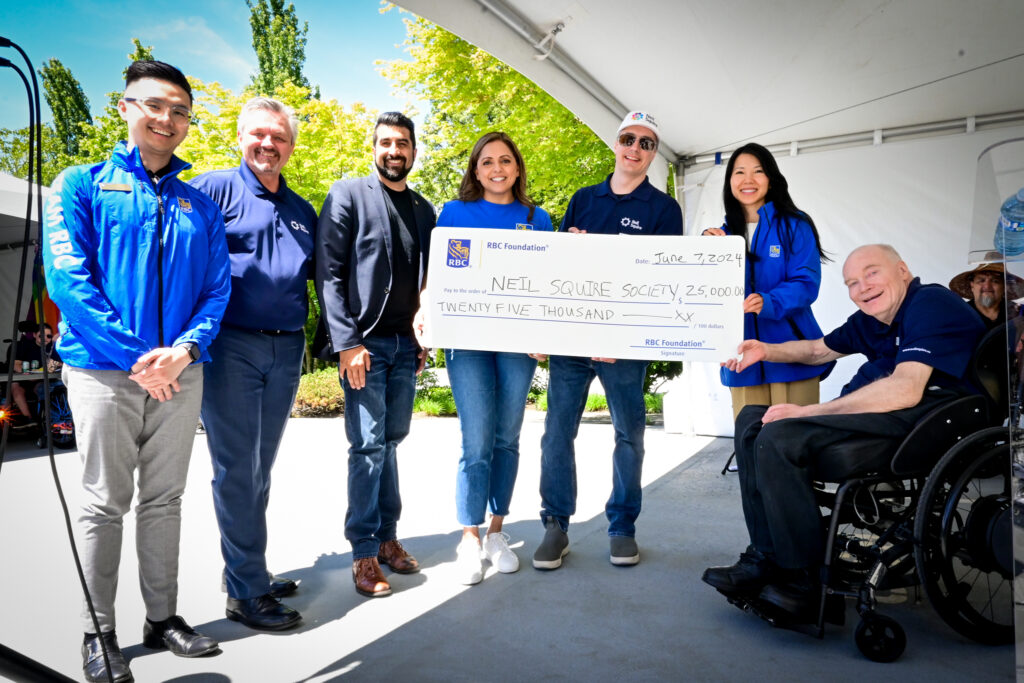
[937,432]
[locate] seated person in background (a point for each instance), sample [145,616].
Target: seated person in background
[918,340]
[25,352]
[984,287]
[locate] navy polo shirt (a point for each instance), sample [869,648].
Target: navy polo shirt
[932,326]
[644,211]
[270,238]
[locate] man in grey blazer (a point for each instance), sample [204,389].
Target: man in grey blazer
[371,261]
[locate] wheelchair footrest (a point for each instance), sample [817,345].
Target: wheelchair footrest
[835,613]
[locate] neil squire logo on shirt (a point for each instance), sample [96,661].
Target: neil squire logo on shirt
[299,226]
[631,223]
[458,253]
[774,251]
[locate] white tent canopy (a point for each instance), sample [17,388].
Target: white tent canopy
[720,73]
[896,100]
[13,201]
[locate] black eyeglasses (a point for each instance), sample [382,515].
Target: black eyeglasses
[157,107]
[646,144]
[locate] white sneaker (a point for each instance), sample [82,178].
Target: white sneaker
[501,556]
[467,561]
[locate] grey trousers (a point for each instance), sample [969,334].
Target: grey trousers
[122,430]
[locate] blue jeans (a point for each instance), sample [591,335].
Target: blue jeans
[377,418]
[568,382]
[490,391]
[250,383]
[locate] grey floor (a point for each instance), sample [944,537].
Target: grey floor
[587,621]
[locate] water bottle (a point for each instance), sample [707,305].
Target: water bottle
[1009,238]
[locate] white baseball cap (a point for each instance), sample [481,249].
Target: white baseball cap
[640,118]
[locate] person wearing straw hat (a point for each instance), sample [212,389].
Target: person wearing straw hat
[984,287]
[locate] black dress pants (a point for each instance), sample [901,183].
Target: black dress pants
[776,462]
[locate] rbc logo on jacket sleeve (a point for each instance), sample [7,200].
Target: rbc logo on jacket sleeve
[458,253]
[774,251]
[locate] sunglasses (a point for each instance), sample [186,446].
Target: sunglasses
[646,144]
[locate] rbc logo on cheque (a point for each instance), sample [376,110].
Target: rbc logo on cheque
[458,253]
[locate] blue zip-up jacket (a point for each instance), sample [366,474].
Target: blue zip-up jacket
[784,267]
[133,268]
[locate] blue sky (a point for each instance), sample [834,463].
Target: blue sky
[209,39]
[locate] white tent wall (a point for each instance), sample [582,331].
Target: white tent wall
[10,268]
[13,194]
[916,195]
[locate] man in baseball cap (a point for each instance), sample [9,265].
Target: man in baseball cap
[627,204]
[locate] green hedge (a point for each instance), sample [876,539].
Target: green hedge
[319,395]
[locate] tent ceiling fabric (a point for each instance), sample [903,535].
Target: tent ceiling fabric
[13,193]
[721,73]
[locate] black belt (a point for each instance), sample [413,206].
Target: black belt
[271,333]
[278,333]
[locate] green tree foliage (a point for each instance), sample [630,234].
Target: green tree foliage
[470,93]
[279,44]
[67,101]
[334,140]
[14,153]
[96,141]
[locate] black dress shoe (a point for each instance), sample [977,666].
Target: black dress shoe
[264,612]
[178,637]
[795,593]
[749,575]
[281,587]
[92,659]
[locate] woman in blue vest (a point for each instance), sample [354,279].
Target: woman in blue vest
[784,258]
[489,387]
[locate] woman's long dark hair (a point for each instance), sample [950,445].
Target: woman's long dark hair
[778,195]
[471,190]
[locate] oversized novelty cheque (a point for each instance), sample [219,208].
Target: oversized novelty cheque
[609,296]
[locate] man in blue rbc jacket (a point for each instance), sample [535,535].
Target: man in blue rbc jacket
[371,261]
[627,204]
[257,358]
[136,261]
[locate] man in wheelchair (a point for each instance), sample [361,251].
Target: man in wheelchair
[918,340]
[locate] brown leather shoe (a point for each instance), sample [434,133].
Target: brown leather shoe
[394,555]
[369,579]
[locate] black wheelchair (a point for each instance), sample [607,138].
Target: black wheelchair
[940,518]
[62,422]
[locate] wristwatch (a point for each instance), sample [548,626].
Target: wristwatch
[193,350]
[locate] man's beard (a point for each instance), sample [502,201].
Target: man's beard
[987,300]
[393,175]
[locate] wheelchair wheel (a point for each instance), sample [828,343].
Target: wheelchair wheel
[880,638]
[965,554]
[63,424]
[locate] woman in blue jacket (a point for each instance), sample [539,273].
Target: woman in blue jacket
[784,258]
[489,387]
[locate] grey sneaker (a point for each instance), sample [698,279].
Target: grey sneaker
[624,551]
[553,548]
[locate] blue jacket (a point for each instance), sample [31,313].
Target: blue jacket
[353,260]
[132,268]
[784,267]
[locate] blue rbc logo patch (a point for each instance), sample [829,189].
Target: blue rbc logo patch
[458,253]
[774,251]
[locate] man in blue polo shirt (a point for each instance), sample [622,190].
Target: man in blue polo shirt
[918,340]
[257,358]
[625,203]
